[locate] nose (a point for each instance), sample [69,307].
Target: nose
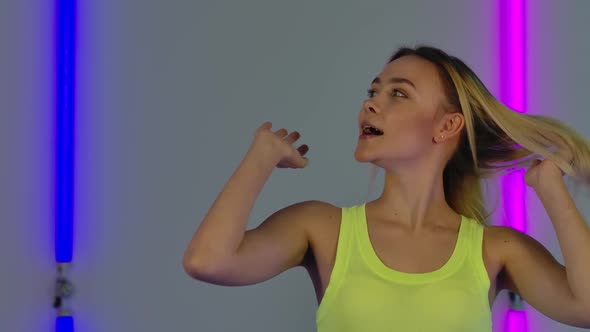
[369,106]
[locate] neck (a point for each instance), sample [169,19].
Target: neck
[415,198]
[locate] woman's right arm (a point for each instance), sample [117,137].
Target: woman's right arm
[222,251]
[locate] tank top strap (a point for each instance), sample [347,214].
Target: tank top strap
[475,251]
[344,249]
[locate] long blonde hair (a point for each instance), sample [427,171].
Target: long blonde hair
[496,139]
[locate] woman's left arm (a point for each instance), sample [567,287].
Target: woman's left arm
[573,235]
[560,292]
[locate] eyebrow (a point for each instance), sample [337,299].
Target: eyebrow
[395,80]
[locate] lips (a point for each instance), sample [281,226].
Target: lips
[368,128]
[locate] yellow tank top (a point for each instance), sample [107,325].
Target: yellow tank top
[364,294]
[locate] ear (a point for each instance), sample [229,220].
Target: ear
[450,125]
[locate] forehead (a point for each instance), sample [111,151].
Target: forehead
[421,72]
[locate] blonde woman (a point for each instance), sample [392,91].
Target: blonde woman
[422,256]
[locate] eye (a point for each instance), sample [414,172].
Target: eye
[371,93]
[403,95]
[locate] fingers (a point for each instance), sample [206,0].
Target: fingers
[305,162]
[281,132]
[265,125]
[300,163]
[296,160]
[303,149]
[292,137]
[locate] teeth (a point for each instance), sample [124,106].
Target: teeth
[368,129]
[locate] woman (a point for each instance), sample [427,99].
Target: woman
[421,257]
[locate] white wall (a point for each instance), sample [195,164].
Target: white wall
[558,72]
[26,172]
[169,95]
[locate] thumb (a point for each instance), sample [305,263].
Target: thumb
[305,161]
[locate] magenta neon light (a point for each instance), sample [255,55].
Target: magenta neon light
[515,321]
[512,45]
[513,94]
[512,57]
[513,193]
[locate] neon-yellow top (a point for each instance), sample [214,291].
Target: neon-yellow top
[364,294]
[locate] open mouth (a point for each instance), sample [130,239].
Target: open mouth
[371,130]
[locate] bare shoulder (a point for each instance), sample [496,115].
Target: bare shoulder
[511,243]
[504,238]
[315,208]
[317,216]
[309,213]
[321,222]
[322,225]
[313,216]
[497,240]
[500,244]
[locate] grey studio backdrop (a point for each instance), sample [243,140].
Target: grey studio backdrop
[169,95]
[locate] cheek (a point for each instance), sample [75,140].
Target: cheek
[409,141]
[415,133]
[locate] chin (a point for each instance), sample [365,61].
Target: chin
[362,157]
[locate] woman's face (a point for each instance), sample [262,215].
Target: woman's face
[404,102]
